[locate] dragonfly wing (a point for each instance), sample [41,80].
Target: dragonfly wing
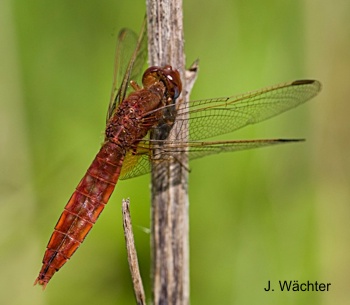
[213,117]
[139,163]
[130,58]
[136,163]
[198,149]
[202,149]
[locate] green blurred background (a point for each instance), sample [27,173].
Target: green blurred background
[279,213]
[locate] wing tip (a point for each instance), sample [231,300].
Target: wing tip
[301,82]
[304,82]
[290,140]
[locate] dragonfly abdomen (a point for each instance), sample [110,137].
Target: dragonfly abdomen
[82,209]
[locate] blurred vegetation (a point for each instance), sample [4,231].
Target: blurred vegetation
[274,214]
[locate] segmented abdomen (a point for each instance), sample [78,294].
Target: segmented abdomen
[82,209]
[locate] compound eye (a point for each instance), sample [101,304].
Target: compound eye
[173,80]
[176,92]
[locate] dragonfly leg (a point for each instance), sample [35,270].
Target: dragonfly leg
[171,159]
[135,85]
[186,168]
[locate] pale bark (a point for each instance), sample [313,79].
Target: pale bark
[170,244]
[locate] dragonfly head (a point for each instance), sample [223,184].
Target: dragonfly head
[168,76]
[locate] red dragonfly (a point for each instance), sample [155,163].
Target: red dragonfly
[134,112]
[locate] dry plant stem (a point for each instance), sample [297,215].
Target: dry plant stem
[132,255]
[169,231]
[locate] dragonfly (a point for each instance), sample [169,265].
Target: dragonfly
[134,113]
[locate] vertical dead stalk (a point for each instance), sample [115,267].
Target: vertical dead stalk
[170,245]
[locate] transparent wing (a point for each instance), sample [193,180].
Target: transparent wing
[212,117]
[140,163]
[130,58]
[137,163]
